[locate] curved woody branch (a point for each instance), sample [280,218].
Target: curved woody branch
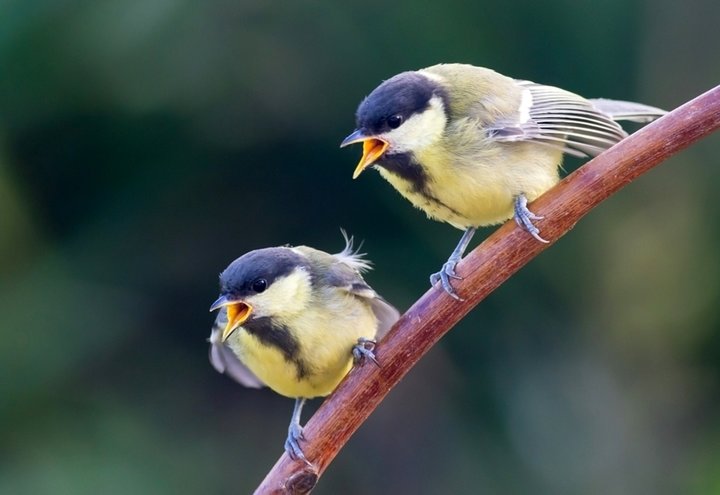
[487,267]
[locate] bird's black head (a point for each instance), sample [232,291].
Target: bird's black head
[254,272]
[244,283]
[395,101]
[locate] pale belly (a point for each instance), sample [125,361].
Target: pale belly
[282,375]
[325,353]
[477,193]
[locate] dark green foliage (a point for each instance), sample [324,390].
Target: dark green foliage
[145,145]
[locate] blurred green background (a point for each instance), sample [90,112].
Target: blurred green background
[145,144]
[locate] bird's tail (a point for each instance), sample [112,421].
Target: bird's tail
[627,110]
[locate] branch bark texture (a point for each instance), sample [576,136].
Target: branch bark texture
[483,270]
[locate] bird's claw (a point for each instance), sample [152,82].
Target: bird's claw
[292,443]
[444,275]
[365,350]
[524,218]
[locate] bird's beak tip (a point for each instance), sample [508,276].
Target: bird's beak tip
[373,148]
[237,312]
[355,137]
[219,303]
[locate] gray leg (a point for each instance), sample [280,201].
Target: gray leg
[364,350]
[295,432]
[448,270]
[524,218]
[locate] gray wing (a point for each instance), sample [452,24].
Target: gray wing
[566,121]
[224,359]
[627,110]
[344,273]
[386,314]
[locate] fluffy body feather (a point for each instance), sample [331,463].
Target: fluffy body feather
[295,319]
[300,335]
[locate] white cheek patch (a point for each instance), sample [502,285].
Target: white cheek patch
[420,130]
[285,295]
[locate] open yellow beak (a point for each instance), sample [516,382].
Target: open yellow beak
[237,313]
[373,149]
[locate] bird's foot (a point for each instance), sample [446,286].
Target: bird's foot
[524,218]
[292,444]
[364,350]
[444,275]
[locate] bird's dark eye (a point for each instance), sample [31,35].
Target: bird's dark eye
[394,121]
[259,285]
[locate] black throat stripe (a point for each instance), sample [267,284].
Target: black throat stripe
[404,166]
[279,336]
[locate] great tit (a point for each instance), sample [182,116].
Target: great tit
[295,319]
[471,147]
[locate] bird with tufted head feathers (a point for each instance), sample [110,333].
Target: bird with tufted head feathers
[472,147]
[295,319]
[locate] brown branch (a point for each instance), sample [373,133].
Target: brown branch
[489,265]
